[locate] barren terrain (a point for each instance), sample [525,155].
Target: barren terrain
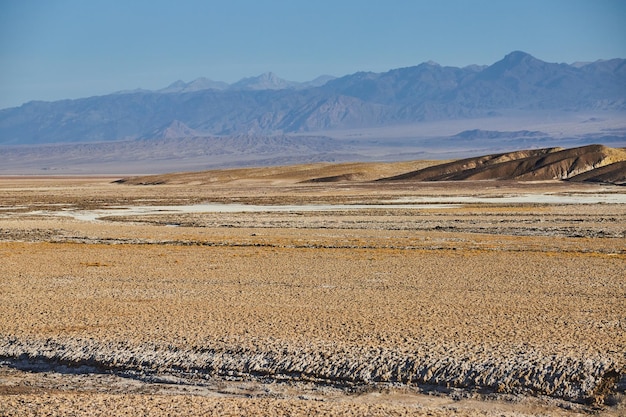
[361,298]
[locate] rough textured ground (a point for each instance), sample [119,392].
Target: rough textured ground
[481,309]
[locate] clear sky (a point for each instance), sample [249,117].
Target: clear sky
[55,49]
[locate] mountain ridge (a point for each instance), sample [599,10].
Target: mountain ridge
[264,81]
[268,105]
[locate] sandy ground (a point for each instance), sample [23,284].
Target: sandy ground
[472,309]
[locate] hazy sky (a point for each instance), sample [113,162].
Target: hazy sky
[54,49]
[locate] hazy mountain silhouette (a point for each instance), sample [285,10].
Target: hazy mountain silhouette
[267,105]
[198,84]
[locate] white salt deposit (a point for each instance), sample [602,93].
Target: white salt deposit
[415,203]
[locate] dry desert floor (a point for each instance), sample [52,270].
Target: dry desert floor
[248,295]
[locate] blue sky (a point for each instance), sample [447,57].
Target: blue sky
[55,49]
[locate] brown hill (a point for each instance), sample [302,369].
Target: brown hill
[593,163]
[306,173]
[614,173]
[537,165]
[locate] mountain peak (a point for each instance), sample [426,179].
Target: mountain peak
[516,61]
[265,81]
[176,129]
[176,86]
[518,56]
[198,84]
[268,76]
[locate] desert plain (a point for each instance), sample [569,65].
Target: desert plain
[311,290]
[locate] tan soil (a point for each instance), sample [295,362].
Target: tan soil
[473,310]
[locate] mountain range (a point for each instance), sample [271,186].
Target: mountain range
[268,105]
[266,81]
[422,112]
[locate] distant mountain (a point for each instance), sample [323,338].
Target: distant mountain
[174,130]
[169,153]
[269,105]
[267,81]
[317,82]
[494,134]
[198,84]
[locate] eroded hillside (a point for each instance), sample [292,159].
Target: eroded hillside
[575,164]
[592,163]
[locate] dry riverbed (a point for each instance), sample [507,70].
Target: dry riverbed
[423,303]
